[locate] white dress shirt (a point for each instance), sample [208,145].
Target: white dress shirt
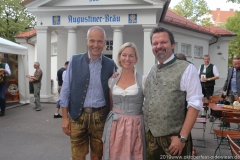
[191,84]
[63,75]
[215,70]
[7,68]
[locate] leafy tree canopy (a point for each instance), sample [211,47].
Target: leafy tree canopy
[14,18]
[194,10]
[233,24]
[234,1]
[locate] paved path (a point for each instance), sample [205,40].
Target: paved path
[26,134]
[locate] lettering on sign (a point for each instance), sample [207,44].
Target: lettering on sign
[95,19]
[93,0]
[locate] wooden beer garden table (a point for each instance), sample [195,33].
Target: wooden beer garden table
[214,107]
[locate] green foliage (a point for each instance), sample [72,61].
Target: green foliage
[234,1]
[14,18]
[223,25]
[194,10]
[207,22]
[233,24]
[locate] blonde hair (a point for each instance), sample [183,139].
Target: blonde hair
[125,45]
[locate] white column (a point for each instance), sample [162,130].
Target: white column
[148,56]
[117,41]
[44,58]
[61,50]
[23,83]
[72,41]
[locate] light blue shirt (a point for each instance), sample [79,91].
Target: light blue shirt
[234,81]
[94,97]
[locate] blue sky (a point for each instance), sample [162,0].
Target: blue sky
[214,4]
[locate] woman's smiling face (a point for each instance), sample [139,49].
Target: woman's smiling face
[128,58]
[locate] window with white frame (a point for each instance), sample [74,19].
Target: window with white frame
[54,49]
[198,51]
[109,45]
[186,49]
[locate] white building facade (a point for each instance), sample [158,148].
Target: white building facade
[62,29]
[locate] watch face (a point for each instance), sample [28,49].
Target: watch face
[183,140]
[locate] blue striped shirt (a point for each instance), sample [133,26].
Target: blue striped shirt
[95,97]
[234,81]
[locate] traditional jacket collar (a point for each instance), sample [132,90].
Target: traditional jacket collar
[169,61]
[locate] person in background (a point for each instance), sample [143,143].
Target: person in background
[208,73]
[168,86]
[181,56]
[59,78]
[232,83]
[36,80]
[4,72]
[124,134]
[85,95]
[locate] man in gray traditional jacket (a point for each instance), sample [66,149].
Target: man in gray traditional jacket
[170,83]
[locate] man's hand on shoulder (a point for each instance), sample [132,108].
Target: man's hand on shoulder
[114,75]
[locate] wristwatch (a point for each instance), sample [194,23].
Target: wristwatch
[208,79]
[182,139]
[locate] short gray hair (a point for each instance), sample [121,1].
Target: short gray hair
[96,28]
[236,58]
[37,63]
